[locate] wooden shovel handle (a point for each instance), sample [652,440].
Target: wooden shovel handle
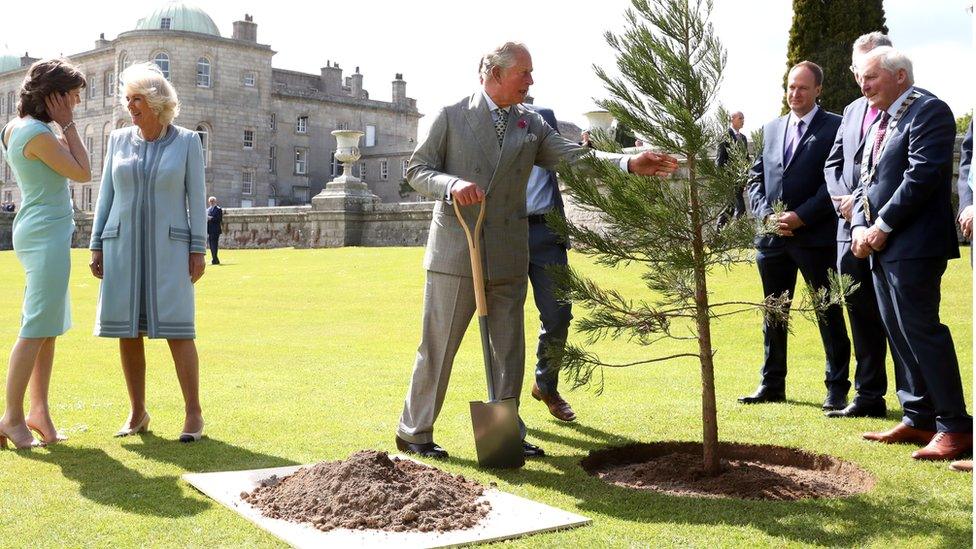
[474,252]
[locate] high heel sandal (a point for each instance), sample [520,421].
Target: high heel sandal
[141,427]
[192,437]
[58,436]
[34,443]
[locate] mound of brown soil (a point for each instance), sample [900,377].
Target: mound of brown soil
[748,471]
[371,491]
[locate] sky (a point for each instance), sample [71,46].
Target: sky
[436,44]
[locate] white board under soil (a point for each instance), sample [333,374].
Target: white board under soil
[511,516]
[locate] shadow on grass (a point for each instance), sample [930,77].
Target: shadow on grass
[107,481]
[204,456]
[851,521]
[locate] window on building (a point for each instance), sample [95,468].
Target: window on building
[203,72]
[384,170]
[162,61]
[273,121]
[248,139]
[300,193]
[245,203]
[249,79]
[301,155]
[123,62]
[90,84]
[11,104]
[87,198]
[247,182]
[90,145]
[370,136]
[110,84]
[302,125]
[106,134]
[272,159]
[362,170]
[342,125]
[403,166]
[165,23]
[335,167]
[204,133]
[3,103]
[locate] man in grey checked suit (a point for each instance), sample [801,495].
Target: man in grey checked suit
[483,148]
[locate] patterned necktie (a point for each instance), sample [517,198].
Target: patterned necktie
[879,136]
[501,122]
[794,141]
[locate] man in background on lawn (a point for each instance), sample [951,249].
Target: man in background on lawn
[733,138]
[481,149]
[904,220]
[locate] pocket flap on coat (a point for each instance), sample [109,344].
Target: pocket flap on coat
[110,232]
[176,233]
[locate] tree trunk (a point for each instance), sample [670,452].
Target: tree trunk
[709,414]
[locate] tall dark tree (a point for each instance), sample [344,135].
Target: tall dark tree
[671,64]
[823,32]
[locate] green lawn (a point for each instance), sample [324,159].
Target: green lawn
[306,355]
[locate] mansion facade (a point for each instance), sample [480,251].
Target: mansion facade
[266,132]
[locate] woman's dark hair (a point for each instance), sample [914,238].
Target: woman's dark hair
[44,78]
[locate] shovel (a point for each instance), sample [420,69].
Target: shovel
[496,429]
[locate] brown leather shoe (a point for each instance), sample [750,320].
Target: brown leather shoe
[963,466]
[901,434]
[946,446]
[559,408]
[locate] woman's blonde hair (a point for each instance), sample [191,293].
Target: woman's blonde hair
[147,80]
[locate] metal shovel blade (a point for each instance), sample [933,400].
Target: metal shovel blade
[496,434]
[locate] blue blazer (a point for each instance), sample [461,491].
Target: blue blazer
[800,185]
[965,160]
[913,185]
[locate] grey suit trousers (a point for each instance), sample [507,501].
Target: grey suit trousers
[448,308]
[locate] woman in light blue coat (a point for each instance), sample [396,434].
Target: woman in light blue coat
[146,248]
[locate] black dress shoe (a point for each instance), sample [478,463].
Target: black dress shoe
[427,449]
[764,394]
[531,450]
[861,409]
[834,402]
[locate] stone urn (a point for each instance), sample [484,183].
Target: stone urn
[346,190]
[599,120]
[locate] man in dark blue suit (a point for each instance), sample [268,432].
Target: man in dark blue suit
[964,185]
[733,138]
[547,248]
[842,172]
[215,219]
[904,220]
[790,171]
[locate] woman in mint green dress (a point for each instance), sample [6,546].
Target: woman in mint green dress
[42,163]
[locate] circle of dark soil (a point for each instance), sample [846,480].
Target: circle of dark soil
[371,491]
[748,471]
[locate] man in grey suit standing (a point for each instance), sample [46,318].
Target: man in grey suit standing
[483,148]
[843,172]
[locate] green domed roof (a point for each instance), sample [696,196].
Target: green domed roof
[180,16]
